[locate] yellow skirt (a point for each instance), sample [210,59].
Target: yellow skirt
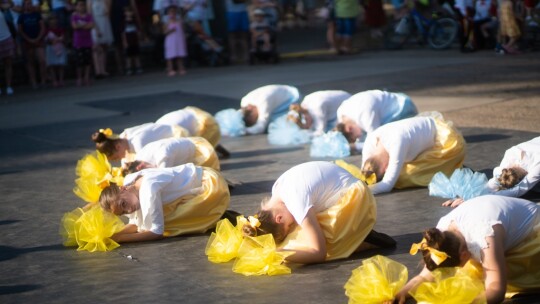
[446,155]
[197,214]
[523,264]
[207,126]
[205,155]
[345,225]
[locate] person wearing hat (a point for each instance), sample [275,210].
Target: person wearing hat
[260,30]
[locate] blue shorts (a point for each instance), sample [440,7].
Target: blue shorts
[345,27]
[237,22]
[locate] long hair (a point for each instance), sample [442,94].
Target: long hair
[446,242]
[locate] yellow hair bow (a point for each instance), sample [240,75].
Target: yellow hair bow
[115,176]
[369,180]
[254,221]
[436,256]
[108,133]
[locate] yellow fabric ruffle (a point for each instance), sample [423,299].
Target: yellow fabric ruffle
[345,225]
[258,256]
[523,265]
[223,245]
[451,286]
[446,155]
[207,126]
[378,280]
[180,132]
[197,214]
[92,170]
[356,172]
[90,230]
[205,155]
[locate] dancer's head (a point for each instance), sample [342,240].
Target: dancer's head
[250,114]
[110,144]
[135,166]
[445,244]
[274,218]
[350,130]
[300,116]
[119,200]
[511,177]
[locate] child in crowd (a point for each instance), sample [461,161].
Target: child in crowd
[32,31]
[175,42]
[82,24]
[55,51]
[130,40]
[260,31]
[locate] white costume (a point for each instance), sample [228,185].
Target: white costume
[525,155]
[404,140]
[371,109]
[322,106]
[140,136]
[183,118]
[475,219]
[168,152]
[159,187]
[270,101]
[315,184]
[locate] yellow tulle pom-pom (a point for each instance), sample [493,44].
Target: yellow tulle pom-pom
[378,280]
[94,173]
[90,230]
[223,244]
[451,286]
[258,256]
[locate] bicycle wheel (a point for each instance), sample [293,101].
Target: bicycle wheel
[442,33]
[397,34]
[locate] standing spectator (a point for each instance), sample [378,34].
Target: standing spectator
[238,28]
[260,31]
[270,8]
[82,24]
[55,51]
[175,42]
[62,10]
[485,20]
[509,29]
[346,13]
[374,16]
[465,12]
[196,16]
[117,20]
[32,31]
[7,51]
[101,34]
[130,39]
[330,16]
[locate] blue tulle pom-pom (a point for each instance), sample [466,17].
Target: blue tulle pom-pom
[231,123]
[464,183]
[331,144]
[284,132]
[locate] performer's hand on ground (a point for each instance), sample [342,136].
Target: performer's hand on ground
[453,202]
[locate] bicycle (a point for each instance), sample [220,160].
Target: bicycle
[438,32]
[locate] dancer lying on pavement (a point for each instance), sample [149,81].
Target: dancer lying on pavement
[318,110]
[407,153]
[321,212]
[501,235]
[366,111]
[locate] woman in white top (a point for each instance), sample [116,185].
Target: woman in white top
[263,105]
[163,202]
[500,233]
[318,110]
[318,210]
[366,111]
[398,153]
[132,140]
[196,122]
[172,152]
[519,171]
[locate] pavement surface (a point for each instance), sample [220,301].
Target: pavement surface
[494,101]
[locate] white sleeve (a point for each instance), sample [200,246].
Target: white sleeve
[395,164]
[152,207]
[369,121]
